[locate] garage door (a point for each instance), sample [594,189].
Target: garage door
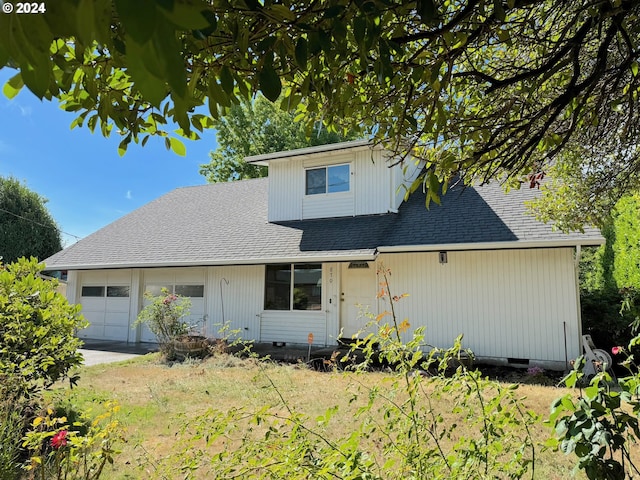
[187,282]
[194,292]
[106,308]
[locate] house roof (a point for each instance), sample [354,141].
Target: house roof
[226,224]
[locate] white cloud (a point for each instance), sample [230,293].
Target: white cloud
[25,111]
[128,196]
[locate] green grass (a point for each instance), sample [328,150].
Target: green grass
[156,399]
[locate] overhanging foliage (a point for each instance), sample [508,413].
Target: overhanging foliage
[486,88]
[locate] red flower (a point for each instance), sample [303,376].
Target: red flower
[617,350]
[59,439]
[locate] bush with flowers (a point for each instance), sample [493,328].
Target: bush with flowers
[79,450]
[164,316]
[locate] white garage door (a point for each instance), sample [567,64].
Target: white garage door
[188,282]
[106,308]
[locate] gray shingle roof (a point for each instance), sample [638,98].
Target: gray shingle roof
[227,224]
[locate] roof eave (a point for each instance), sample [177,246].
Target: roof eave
[347,257]
[331,147]
[516,244]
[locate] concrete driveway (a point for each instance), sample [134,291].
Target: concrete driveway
[103,351]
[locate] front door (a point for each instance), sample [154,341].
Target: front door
[357,298]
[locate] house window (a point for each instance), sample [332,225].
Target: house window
[306,280]
[331,179]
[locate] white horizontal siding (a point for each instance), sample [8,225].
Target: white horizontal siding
[328,205]
[507,304]
[293,327]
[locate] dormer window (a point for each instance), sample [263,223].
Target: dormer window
[331,179]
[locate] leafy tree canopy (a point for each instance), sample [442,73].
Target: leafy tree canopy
[26,227]
[254,128]
[481,88]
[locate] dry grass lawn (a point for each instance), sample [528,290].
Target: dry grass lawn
[156,399]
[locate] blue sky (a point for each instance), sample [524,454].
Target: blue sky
[87,183]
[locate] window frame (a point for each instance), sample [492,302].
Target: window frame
[327,186]
[271,302]
[103,291]
[114,291]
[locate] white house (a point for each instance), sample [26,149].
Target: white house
[298,253]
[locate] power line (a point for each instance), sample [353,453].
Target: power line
[38,223]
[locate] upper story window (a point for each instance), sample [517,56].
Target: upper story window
[331,179]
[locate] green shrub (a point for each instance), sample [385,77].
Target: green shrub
[603,320]
[164,317]
[38,345]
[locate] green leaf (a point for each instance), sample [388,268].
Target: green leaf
[226,80]
[359,30]
[177,146]
[144,70]
[166,49]
[185,15]
[591,391]
[85,15]
[4,55]
[302,53]
[270,83]
[498,10]
[37,77]
[282,12]
[634,69]
[13,86]
[138,17]
[217,94]
[122,147]
[426,10]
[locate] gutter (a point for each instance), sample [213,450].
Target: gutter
[365,257]
[517,244]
